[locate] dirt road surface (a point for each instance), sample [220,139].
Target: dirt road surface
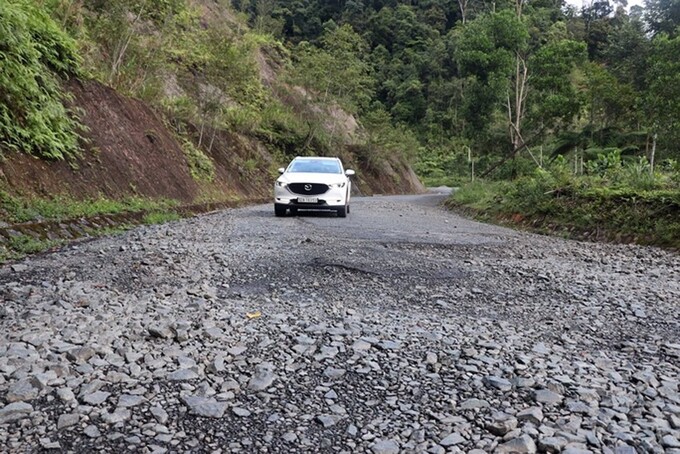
[402,328]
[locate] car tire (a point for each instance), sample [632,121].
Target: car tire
[342,212]
[347,209]
[279,210]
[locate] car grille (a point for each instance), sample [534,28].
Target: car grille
[308,188]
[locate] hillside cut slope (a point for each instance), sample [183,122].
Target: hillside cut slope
[133,146]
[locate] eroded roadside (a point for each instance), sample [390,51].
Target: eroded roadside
[400,328]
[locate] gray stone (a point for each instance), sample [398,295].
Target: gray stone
[182,375]
[241,412]
[15,411]
[533,415]
[161,331]
[470,404]
[519,445]
[552,444]
[92,431]
[502,427]
[96,398]
[328,420]
[385,447]
[22,390]
[545,396]
[80,355]
[498,383]
[669,441]
[452,440]
[66,394]
[119,415]
[67,420]
[205,406]
[129,400]
[159,414]
[263,378]
[334,373]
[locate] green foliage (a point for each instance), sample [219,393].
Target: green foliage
[160,217]
[202,168]
[35,54]
[335,70]
[21,209]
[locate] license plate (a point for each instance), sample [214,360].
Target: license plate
[308,200]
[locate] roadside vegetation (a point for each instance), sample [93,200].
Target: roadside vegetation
[566,116]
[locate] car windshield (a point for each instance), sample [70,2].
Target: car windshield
[315,166]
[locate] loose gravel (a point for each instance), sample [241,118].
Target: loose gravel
[402,328]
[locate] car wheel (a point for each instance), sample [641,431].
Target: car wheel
[279,210]
[342,212]
[347,209]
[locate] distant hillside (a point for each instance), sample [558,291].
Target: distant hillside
[175,99]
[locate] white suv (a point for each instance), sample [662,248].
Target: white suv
[313,183]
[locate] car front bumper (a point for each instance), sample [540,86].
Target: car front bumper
[331,199]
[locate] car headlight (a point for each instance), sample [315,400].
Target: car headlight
[339,185]
[281,184]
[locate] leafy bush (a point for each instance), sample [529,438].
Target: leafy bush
[202,168]
[34,55]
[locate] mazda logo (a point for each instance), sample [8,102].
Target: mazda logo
[308,187]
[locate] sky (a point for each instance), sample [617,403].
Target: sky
[579,3]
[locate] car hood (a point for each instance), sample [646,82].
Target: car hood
[324,178]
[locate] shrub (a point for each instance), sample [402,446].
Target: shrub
[34,55]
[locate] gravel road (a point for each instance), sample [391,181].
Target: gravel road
[402,328]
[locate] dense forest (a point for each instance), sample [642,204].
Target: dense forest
[490,80]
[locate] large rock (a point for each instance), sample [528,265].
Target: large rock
[205,406]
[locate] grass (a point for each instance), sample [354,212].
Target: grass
[577,207]
[15,209]
[160,217]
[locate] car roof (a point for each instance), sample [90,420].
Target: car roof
[324,158]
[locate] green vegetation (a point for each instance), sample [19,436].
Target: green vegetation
[612,199]
[35,55]
[33,209]
[161,217]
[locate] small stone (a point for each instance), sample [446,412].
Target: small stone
[15,411]
[385,447]
[552,444]
[240,412]
[334,373]
[474,403]
[161,331]
[22,390]
[264,377]
[498,383]
[96,398]
[502,427]
[205,406]
[519,445]
[669,441]
[80,355]
[533,414]
[119,415]
[159,414]
[67,420]
[452,440]
[545,396]
[328,420]
[92,431]
[129,400]
[66,394]
[182,375]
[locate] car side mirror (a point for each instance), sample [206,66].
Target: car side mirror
[281,170]
[349,172]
